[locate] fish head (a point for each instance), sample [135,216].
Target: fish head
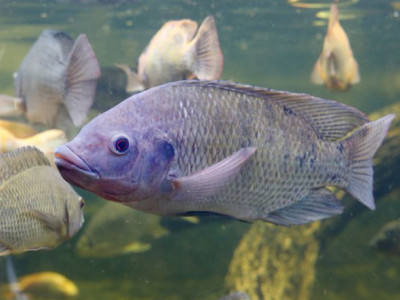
[116,161]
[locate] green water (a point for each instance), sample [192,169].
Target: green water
[265,43]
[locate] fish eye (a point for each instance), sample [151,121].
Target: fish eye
[167,150]
[81,203]
[119,144]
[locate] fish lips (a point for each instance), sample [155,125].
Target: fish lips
[72,168]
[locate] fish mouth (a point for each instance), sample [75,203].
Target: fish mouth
[65,158]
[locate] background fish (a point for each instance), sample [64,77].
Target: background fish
[228,149]
[38,209]
[236,296]
[18,129]
[387,240]
[336,66]
[46,285]
[10,106]
[177,52]
[57,79]
[116,229]
[46,141]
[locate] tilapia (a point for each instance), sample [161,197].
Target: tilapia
[47,285]
[46,141]
[177,52]
[57,79]
[222,148]
[116,230]
[387,240]
[38,209]
[336,67]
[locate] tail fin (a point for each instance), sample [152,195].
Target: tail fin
[207,52]
[363,144]
[133,81]
[82,74]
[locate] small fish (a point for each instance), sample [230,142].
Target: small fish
[18,129]
[336,67]
[387,240]
[38,209]
[57,79]
[177,52]
[236,296]
[47,285]
[222,148]
[45,141]
[116,229]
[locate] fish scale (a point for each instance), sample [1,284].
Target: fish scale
[200,130]
[213,147]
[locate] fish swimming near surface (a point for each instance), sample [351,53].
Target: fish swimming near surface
[46,141]
[46,285]
[387,240]
[38,209]
[116,230]
[177,52]
[336,67]
[211,147]
[57,79]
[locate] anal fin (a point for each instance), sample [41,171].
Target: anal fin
[319,204]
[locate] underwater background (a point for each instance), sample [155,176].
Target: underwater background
[266,43]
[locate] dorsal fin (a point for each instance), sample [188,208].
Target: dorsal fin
[24,158]
[330,120]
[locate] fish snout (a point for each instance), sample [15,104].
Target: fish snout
[66,160]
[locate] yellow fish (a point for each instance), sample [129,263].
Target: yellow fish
[336,66]
[38,209]
[14,135]
[46,285]
[177,52]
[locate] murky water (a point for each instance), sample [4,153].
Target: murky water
[266,43]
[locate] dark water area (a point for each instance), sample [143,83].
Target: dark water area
[265,43]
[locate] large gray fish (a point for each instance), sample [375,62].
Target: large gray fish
[177,52]
[38,209]
[57,79]
[117,229]
[223,148]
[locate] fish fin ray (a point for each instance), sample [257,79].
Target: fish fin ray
[208,62]
[363,144]
[82,74]
[211,180]
[329,119]
[133,81]
[21,159]
[319,204]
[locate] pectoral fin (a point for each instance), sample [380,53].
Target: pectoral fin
[50,221]
[211,180]
[319,204]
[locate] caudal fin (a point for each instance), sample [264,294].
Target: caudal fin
[363,144]
[208,61]
[82,74]
[133,81]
